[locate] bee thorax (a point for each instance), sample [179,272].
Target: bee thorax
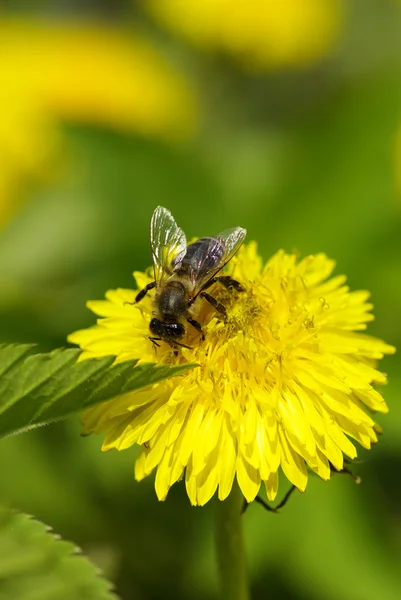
[172,301]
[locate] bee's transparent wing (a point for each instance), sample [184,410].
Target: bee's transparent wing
[167,241]
[219,252]
[233,239]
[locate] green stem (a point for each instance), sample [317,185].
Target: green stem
[230,547]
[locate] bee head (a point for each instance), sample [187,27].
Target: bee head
[167,331]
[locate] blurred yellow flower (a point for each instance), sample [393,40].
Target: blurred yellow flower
[262,33]
[64,70]
[285,382]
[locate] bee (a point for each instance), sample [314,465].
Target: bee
[183,273]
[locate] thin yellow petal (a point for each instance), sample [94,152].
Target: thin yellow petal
[162,480]
[208,479]
[190,484]
[140,471]
[227,462]
[292,464]
[271,485]
[248,479]
[322,467]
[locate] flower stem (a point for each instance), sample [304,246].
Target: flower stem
[230,547]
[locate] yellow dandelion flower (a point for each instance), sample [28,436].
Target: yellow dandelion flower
[283,383]
[260,34]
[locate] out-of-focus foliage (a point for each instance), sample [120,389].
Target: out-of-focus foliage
[304,157]
[80,72]
[398,160]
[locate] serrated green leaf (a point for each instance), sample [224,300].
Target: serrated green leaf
[14,355]
[41,388]
[36,565]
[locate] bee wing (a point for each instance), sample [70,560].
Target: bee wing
[233,239]
[220,251]
[167,241]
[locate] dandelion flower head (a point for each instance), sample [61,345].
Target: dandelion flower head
[283,385]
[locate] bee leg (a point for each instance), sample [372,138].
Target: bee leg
[173,344]
[197,326]
[154,341]
[143,292]
[216,305]
[227,281]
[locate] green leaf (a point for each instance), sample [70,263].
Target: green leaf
[38,389]
[36,565]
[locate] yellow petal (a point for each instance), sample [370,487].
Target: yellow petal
[322,467]
[162,480]
[140,471]
[208,479]
[227,462]
[271,485]
[292,464]
[190,484]
[248,479]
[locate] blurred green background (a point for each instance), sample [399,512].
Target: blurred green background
[282,117]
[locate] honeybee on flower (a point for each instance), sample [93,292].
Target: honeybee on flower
[183,273]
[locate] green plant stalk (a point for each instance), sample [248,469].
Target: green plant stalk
[230,547]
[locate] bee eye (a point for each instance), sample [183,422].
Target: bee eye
[155,326]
